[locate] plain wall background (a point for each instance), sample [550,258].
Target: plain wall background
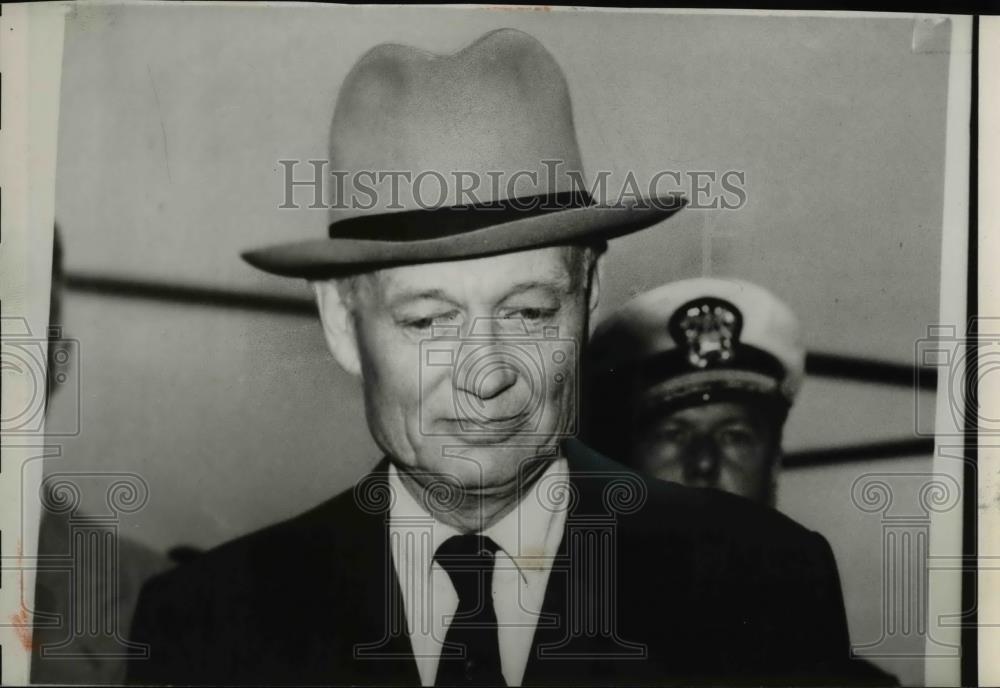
[172,123]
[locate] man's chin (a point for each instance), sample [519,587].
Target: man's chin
[499,434]
[489,438]
[509,446]
[484,462]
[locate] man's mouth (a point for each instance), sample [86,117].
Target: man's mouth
[486,430]
[490,418]
[487,425]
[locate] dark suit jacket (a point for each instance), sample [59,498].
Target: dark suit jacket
[654,584]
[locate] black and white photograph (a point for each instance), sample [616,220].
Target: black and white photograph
[490,345]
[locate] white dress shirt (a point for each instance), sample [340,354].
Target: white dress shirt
[528,537]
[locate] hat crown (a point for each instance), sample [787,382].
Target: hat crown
[498,107]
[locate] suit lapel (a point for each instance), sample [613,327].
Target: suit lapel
[359,581]
[563,649]
[580,636]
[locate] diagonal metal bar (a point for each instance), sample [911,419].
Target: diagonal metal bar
[891,449]
[116,287]
[870,370]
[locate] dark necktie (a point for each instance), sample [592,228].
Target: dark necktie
[471,652]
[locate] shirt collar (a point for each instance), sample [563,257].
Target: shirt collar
[529,535]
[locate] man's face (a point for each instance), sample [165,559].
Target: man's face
[725,445]
[459,375]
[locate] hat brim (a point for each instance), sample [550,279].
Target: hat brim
[700,383]
[713,386]
[324,258]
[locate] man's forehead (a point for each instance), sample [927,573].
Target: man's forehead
[492,275]
[712,412]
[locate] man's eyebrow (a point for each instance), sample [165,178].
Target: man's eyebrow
[657,409]
[560,286]
[411,295]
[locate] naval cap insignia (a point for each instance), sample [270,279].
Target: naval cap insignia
[708,330]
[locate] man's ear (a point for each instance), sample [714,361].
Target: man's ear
[596,272]
[338,325]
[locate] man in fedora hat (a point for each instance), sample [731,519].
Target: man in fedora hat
[489,546]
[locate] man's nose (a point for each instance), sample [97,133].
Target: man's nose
[492,380]
[491,369]
[702,461]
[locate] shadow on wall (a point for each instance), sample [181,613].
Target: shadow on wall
[89,575]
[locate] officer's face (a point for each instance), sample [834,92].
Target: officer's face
[723,445]
[469,367]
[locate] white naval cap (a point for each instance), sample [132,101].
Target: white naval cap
[703,337]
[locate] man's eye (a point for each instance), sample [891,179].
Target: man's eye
[530,313]
[427,322]
[737,437]
[421,324]
[672,434]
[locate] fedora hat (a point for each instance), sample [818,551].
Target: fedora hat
[440,157]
